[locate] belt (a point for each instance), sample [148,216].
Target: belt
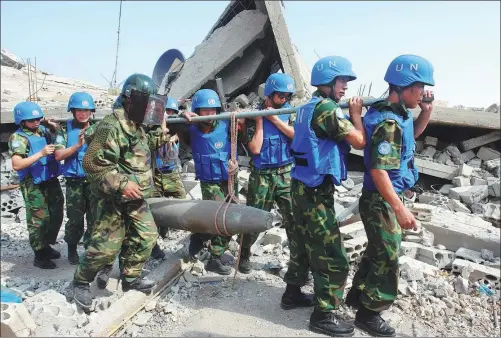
[165,170]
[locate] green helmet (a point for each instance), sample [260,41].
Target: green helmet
[139,82]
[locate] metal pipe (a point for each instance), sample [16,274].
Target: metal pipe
[244,114]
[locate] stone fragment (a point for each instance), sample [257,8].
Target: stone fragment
[242,100]
[466,156]
[486,154]
[457,206]
[429,152]
[431,141]
[461,181]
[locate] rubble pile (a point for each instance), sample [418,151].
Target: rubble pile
[475,183]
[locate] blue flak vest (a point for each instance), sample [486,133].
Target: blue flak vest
[211,152]
[314,158]
[72,166]
[45,168]
[164,164]
[405,177]
[275,151]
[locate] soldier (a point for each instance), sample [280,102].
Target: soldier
[322,138]
[211,148]
[269,140]
[118,167]
[389,171]
[70,147]
[32,155]
[167,178]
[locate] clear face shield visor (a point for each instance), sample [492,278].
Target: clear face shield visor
[146,108]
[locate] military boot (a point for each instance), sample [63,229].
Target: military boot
[52,253]
[140,284]
[244,265]
[103,276]
[73,254]
[82,295]
[216,265]
[196,245]
[42,261]
[372,323]
[157,252]
[294,298]
[353,298]
[330,324]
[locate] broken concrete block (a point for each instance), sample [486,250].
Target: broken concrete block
[466,156]
[475,162]
[474,194]
[461,285]
[465,170]
[242,100]
[457,206]
[429,152]
[217,51]
[422,212]
[492,213]
[261,91]
[486,154]
[412,269]
[428,197]
[274,236]
[430,141]
[481,140]
[478,181]
[455,193]
[478,271]
[419,146]
[461,181]
[444,158]
[469,255]
[355,247]
[446,189]
[353,230]
[455,154]
[16,321]
[440,258]
[493,187]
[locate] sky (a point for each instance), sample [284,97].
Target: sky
[77,39]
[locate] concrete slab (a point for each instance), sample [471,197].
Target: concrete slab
[481,140]
[486,154]
[218,50]
[16,321]
[439,258]
[466,156]
[241,71]
[478,271]
[470,255]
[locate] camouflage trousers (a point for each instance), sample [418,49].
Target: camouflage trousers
[78,205]
[216,192]
[44,211]
[377,275]
[169,185]
[316,243]
[127,229]
[266,189]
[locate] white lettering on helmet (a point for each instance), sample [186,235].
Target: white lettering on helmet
[35,113]
[290,86]
[332,64]
[415,66]
[272,81]
[211,101]
[400,67]
[85,103]
[320,66]
[173,105]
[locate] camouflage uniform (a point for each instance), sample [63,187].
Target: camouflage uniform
[44,202]
[78,200]
[377,275]
[269,186]
[169,184]
[212,192]
[315,238]
[120,151]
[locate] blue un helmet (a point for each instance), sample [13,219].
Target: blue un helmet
[81,100]
[328,68]
[279,82]
[171,103]
[27,111]
[405,70]
[205,98]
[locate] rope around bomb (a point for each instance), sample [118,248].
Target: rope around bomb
[230,197]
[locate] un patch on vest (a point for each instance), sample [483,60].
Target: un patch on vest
[384,148]
[218,145]
[15,144]
[339,113]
